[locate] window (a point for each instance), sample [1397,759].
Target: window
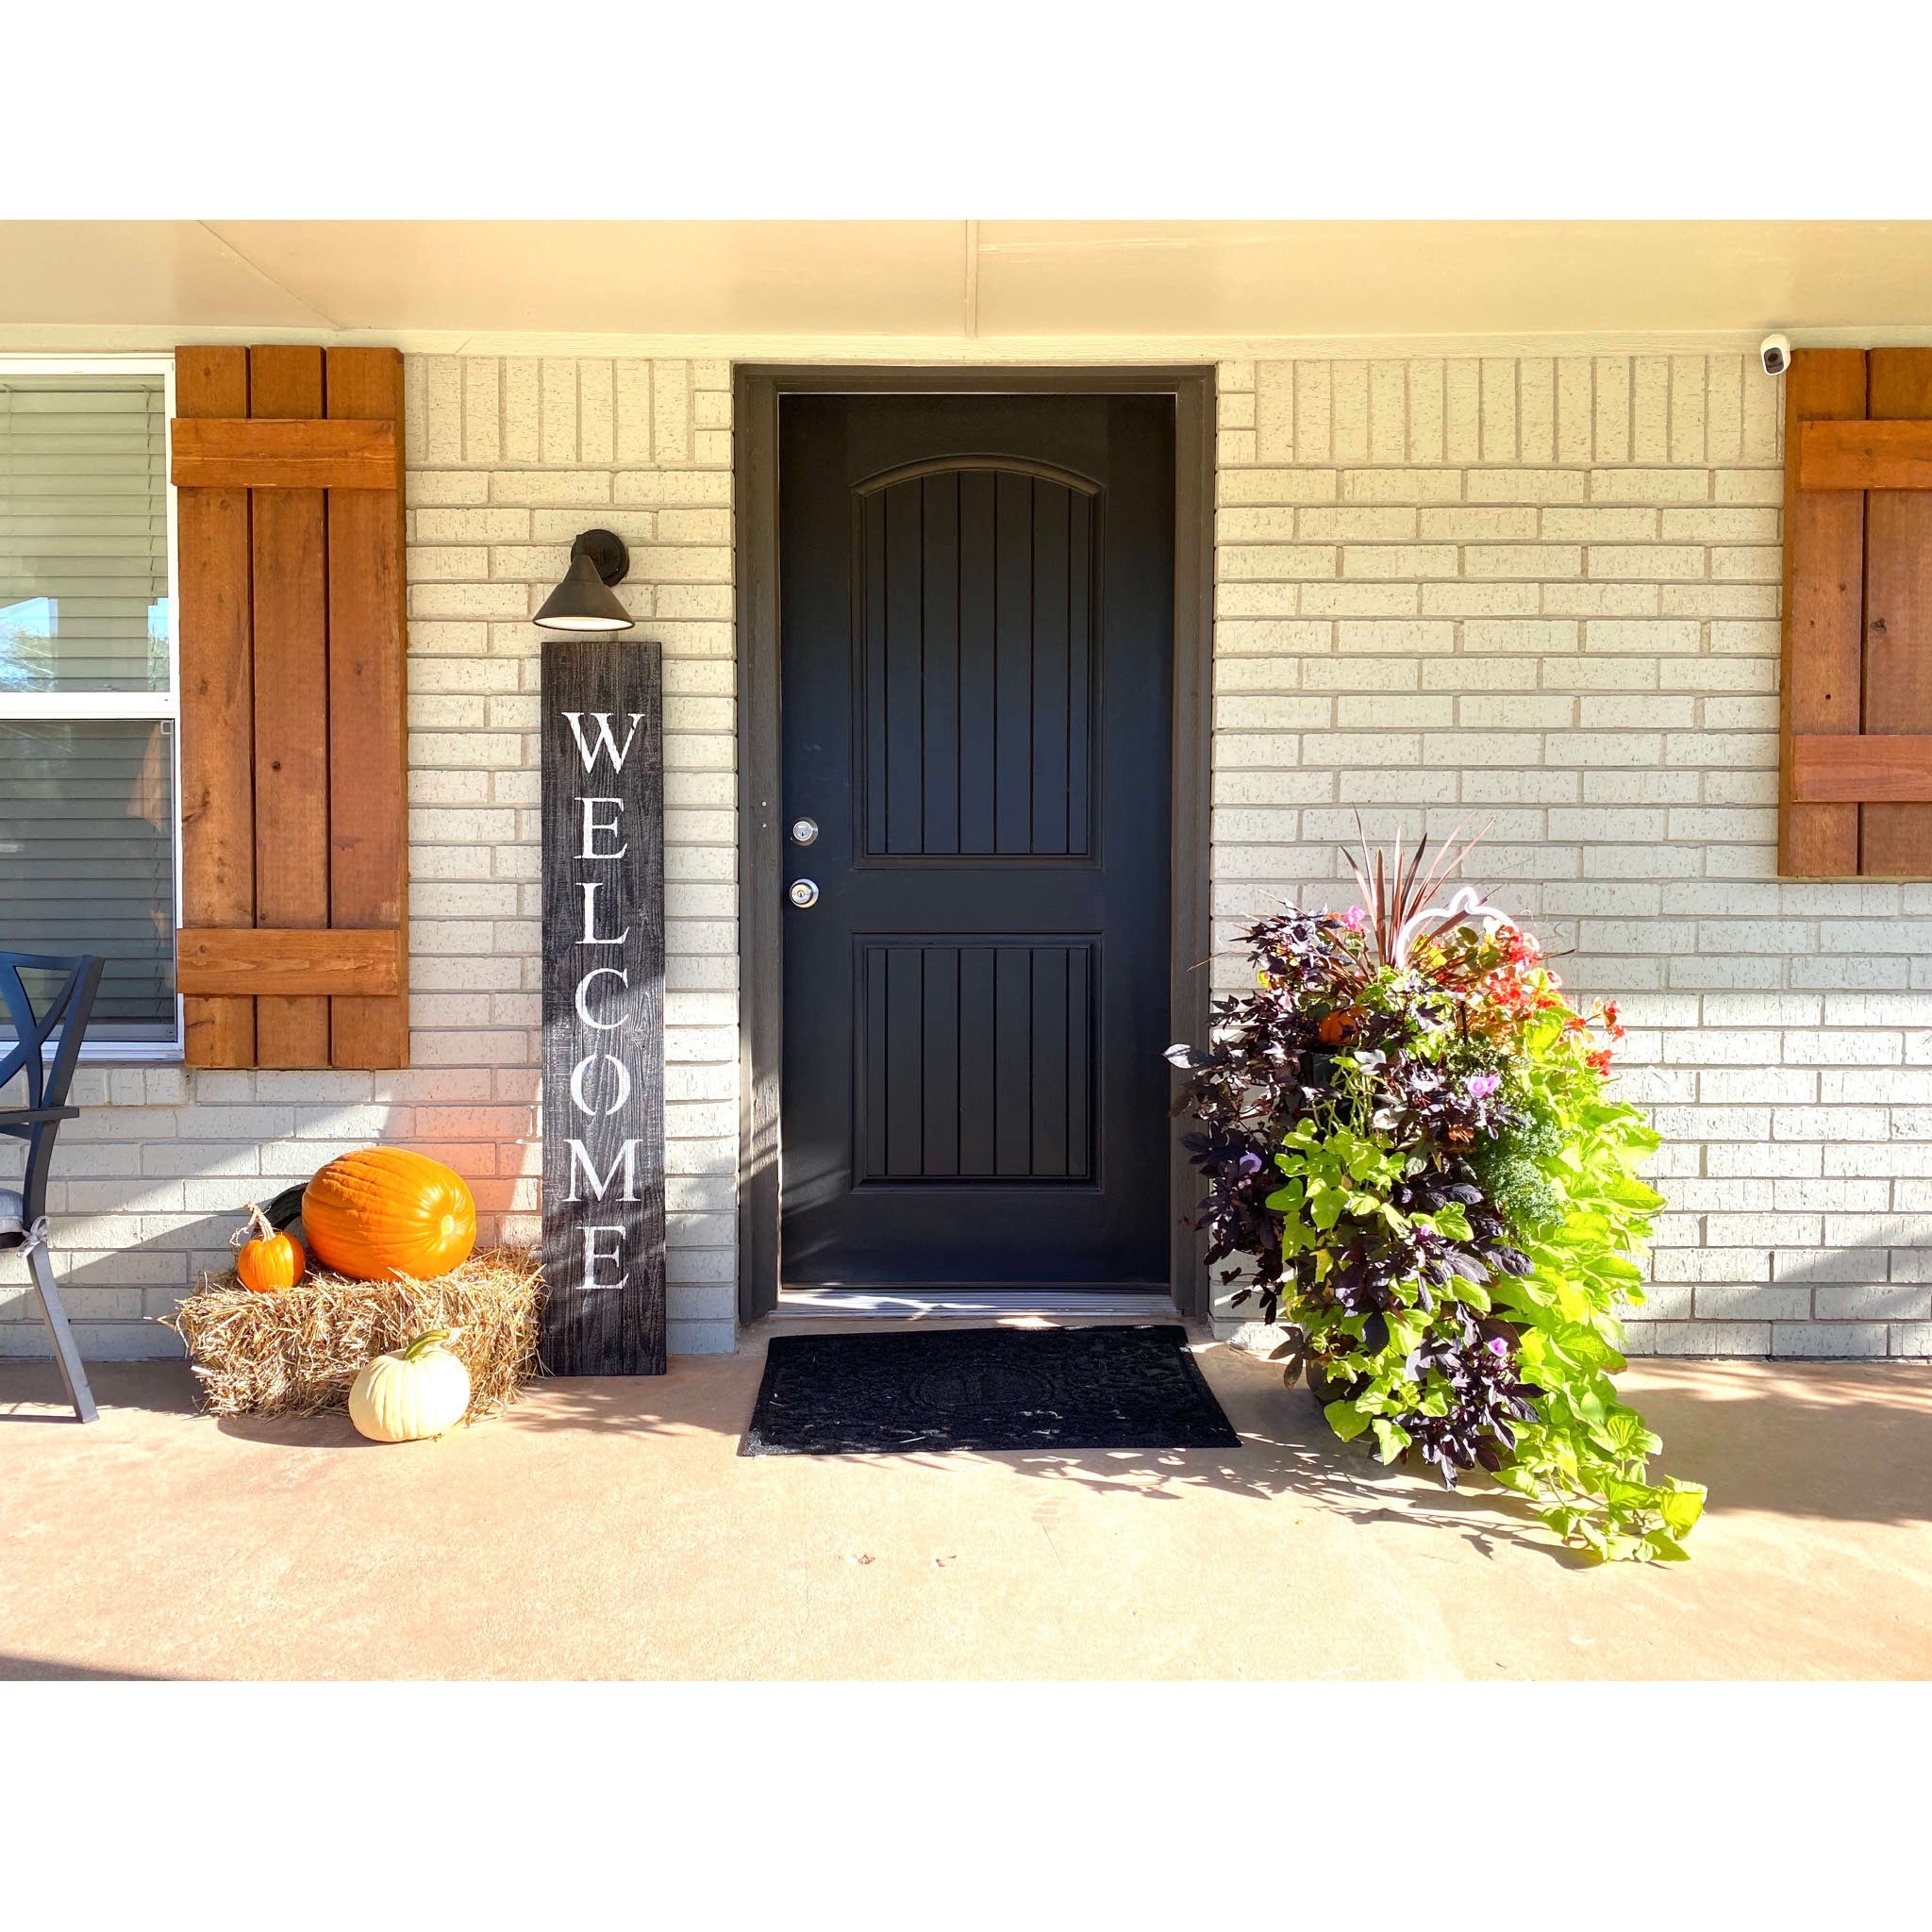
[89,829]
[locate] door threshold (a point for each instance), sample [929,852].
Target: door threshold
[939,1304]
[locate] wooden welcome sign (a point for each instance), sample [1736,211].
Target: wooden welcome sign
[602,740]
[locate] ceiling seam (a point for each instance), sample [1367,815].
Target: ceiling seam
[256,268]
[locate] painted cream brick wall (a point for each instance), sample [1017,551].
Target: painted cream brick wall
[508,460]
[1540,594]
[1535,592]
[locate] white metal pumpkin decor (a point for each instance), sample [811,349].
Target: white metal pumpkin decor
[1466,907]
[422,1390]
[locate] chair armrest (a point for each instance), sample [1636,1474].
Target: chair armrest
[34,1116]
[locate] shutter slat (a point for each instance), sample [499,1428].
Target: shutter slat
[1824,540]
[368,854]
[1895,840]
[217,705]
[291,710]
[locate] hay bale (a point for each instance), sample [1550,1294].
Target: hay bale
[297,1353]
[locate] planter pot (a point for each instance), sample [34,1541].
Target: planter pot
[1325,1388]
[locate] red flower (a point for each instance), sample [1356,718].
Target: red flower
[1599,1062]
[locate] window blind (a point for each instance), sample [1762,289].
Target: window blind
[83,534]
[87,744]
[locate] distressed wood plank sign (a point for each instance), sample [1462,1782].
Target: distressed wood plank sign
[603,747]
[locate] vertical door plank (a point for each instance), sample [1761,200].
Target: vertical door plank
[904,698]
[368,849]
[1012,722]
[1080,1061]
[217,706]
[1013,1059]
[290,601]
[871,969]
[939,1072]
[940,646]
[871,677]
[1052,510]
[1049,1069]
[976,665]
[975,1062]
[1824,540]
[905,1034]
[1895,840]
[1079,674]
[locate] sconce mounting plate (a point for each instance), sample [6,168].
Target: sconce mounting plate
[607,550]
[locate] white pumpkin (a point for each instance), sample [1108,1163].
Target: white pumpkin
[422,1390]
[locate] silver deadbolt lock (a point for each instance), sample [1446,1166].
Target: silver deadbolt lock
[804,831]
[803,893]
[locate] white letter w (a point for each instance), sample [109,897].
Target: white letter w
[606,745]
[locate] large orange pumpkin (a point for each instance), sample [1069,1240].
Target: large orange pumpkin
[384,1212]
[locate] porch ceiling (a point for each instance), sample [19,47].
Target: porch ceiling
[968,279]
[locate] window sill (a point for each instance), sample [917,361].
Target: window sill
[133,1053]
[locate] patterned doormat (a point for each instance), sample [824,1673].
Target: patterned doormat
[1112,1388]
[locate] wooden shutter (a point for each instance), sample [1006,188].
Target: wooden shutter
[1855,763]
[293,950]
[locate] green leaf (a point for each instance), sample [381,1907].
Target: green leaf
[1680,1504]
[1405,1329]
[1346,1420]
[1392,1438]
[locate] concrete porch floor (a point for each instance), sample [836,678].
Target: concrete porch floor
[610,1529]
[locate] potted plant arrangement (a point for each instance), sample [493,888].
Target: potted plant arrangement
[1411,1157]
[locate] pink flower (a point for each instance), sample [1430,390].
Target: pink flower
[1355,919]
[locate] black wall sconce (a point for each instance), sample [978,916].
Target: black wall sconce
[583,602]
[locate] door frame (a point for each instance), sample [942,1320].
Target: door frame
[757,390]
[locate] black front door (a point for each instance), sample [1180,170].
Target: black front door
[977,620]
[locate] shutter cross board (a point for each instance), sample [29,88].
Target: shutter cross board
[1856,720]
[295,945]
[238,453]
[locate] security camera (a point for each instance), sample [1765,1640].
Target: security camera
[1775,352]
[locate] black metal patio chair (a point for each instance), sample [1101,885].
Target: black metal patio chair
[24,1212]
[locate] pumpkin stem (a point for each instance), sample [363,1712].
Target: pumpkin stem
[256,1228]
[430,1338]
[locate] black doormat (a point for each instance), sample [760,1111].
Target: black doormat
[1113,1388]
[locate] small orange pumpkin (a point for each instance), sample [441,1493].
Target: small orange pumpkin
[1339,1029]
[383,1214]
[268,1262]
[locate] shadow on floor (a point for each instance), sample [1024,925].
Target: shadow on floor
[34,1670]
[31,1390]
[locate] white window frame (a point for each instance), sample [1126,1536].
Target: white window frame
[126,704]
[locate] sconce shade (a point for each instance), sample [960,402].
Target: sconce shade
[584,601]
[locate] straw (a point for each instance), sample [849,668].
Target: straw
[298,1352]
